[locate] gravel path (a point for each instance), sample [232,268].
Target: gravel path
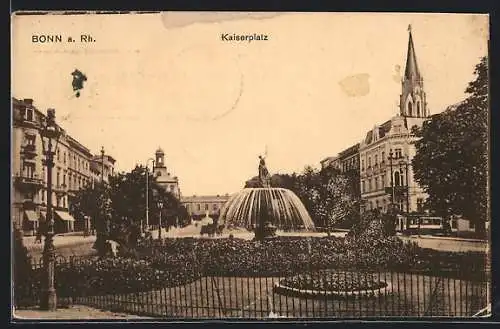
[75,312]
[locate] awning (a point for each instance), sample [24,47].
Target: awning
[63,215]
[31,215]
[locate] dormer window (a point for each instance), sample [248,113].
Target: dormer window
[29,114]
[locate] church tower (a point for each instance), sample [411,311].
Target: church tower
[163,177]
[160,160]
[412,100]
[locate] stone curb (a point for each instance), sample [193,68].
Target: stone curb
[279,288]
[430,237]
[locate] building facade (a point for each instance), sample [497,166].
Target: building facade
[102,166]
[198,206]
[386,174]
[163,177]
[71,171]
[346,160]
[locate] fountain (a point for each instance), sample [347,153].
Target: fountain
[265,209]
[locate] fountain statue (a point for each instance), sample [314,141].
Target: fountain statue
[264,209]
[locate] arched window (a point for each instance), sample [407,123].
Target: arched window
[410,108]
[418,108]
[397,179]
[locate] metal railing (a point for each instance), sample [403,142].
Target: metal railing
[379,293]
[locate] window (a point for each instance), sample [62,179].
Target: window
[199,206]
[398,154]
[383,158]
[382,181]
[369,162]
[376,183]
[362,186]
[43,196]
[206,206]
[29,114]
[397,180]
[64,179]
[64,202]
[454,223]
[362,165]
[376,159]
[420,204]
[410,108]
[58,155]
[30,139]
[64,157]
[29,170]
[57,178]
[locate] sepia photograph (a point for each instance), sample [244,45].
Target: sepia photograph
[177,166]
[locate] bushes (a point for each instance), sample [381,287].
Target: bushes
[175,262]
[21,269]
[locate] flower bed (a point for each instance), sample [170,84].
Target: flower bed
[332,284]
[179,261]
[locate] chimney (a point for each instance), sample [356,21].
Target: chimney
[28,101]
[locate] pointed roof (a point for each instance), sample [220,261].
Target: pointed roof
[411,70]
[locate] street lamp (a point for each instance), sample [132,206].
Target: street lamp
[102,164]
[160,206]
[147,192]
[391,157]
[403,167]
[49,133]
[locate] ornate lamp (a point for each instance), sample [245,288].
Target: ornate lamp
[49,133]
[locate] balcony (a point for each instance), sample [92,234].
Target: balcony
[29,204]
[28,184]
[398,190]
[29,151]
[59,189]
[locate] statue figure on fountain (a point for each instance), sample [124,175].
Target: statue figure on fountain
[264,176]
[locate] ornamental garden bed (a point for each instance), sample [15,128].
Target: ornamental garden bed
[179,261]
[328,284]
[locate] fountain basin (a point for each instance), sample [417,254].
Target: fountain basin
[252,207]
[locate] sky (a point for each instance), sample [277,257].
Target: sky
[167,80]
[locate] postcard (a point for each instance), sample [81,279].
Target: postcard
[250,165]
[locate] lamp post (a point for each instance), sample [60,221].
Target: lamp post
[49,133]
[403,166]
[160,206]
[391,157]
[102,164]
[147,192]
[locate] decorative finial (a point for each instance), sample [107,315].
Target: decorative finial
[409,28]
[102,149]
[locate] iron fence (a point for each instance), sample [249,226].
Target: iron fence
[313,294]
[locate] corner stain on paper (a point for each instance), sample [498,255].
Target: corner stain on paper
[356,85]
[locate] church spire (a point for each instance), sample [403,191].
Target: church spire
[411,70]
[413,99]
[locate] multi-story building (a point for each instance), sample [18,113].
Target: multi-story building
[102,166]
[349,158]
[71,171]
[163,177]
[330,162]
[346,160]
[198,206]
[386,152]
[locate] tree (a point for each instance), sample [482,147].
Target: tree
[451,162]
